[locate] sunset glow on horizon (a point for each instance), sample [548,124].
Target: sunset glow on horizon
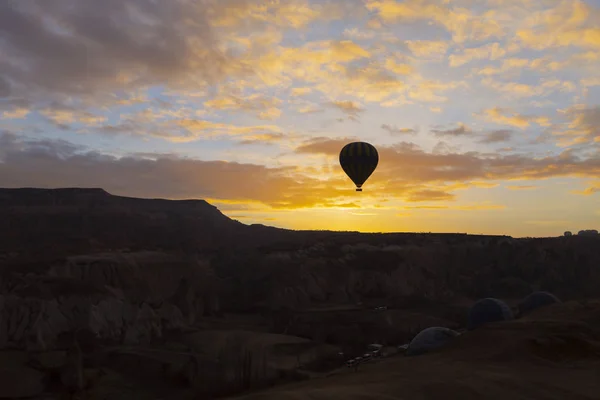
[485,114]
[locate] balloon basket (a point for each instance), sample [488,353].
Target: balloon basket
[358,189]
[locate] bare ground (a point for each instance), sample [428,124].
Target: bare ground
[553,354]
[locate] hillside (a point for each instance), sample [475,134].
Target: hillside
[174,297]
[552,355]
[64,221]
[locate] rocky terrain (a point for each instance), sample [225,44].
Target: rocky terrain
[553,354]
[104,296]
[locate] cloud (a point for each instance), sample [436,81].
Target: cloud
[426,207]
[349,107]
[307,107]
[515,66]
[460,22]
[522,90]
[405,171]
[194,129]
[405,165]
[498,136]
[504,116]
[323,145]
[394,130]
[336,68]
[492,51]
[483,206]
[294,14]
[264,107]
[358,34]
[58,47]
[300,91]
[427,48]
[589,82]
[5,87]
[461,130]
[590,190]
[194,71]
[444,148]
[428,90]
[51,164]
[398,68]
[429,195]
[569,23]
[179,129]
[17,113]
[583,125]
[372,83]
[63,117]
[522,187]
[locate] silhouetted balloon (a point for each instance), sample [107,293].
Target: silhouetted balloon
[359,160]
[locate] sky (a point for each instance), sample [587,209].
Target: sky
[485,113]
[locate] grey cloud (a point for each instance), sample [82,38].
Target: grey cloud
[11,144]
[443,147]
[12,103]
[67,46]
[407,163]
[394,130]
[498,136]
[349,107]
[4,87]
[585,121]
[51,164]
[461,130]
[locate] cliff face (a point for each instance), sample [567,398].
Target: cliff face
[70,221]
[404,275]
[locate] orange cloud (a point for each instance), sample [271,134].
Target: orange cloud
[182,130]
[427,48]
[522,187]
[492,51]
[460,22]
[349,107]
[484,206]
[583,125]
[296,14]
[405,164]
[405,172]
[506,117]
[590,190]
[262,106]
[429,195]
[16,113]
[570,23]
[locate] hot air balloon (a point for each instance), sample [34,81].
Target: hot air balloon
[359,160]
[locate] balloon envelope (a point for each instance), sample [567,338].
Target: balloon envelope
[359,160]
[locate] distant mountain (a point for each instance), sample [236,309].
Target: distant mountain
[74,220]
[47,223]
